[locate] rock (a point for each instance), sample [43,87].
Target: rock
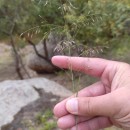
[39,64]
[15,95]
[27,116]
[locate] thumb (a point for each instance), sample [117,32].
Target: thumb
[105,105]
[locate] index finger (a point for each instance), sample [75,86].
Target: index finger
[91,66]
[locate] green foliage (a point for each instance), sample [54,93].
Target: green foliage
[71,18]
[41,118]
[16,12]
[117,13]
[91,23]
[120,48]
[42,121]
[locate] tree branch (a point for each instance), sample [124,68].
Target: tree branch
[37,53]
[45,49]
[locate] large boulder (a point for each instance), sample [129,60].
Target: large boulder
[15,95]
[39,64]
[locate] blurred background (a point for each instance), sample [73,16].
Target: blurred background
[32,31]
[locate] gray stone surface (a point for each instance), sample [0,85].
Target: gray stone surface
[14,95]
[39,64]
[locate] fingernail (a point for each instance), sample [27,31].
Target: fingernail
[74,128]
[72,106]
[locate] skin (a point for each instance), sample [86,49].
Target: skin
[100,105]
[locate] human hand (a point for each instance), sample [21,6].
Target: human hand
[100,105]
